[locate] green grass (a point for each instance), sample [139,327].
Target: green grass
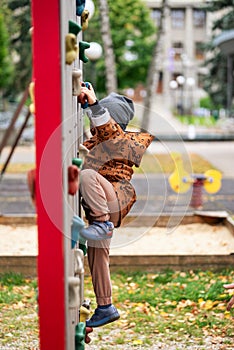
[18,312]
[173,306]
[197,121]
[18,168]
[164,163]
[169,306]
[151,164]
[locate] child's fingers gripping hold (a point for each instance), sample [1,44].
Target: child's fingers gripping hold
[89,94]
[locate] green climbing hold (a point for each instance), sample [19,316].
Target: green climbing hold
[74,28]
[83,248]
[80,336]
[77,162]
[83,45]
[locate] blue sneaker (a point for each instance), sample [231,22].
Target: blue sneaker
[103,316]
[98,231]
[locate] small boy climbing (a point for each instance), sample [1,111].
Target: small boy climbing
[107,194]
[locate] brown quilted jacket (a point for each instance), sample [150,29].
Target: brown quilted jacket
[113,153]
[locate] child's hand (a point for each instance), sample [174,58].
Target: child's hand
[87,94]
[231,302]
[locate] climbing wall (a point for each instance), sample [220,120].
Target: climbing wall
[57,69]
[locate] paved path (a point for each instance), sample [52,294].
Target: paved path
[161,122]
[154,196]
[14,196]
[154,193]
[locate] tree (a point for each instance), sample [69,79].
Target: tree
[131,30]
[109,57]
[6,67]
[132,35]
[19,22]
[215,83]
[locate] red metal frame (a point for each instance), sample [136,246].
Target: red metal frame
[48,105]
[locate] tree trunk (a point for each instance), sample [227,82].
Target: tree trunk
[110,67]
[153,73]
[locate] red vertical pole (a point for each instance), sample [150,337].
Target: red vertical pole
[196,200]
[48,116]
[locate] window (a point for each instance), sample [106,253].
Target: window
[178,49]
[156,16]
[199,18]
[177,18]
[199,52]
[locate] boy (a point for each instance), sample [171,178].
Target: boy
[107,194]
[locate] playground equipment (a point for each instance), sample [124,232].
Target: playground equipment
[181,181]
[58,56]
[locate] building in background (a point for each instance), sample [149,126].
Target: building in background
[186,27]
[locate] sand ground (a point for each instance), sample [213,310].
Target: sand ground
[191,239]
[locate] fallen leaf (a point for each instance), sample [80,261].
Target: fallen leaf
[137,342]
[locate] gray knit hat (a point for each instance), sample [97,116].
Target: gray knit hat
[120,107]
